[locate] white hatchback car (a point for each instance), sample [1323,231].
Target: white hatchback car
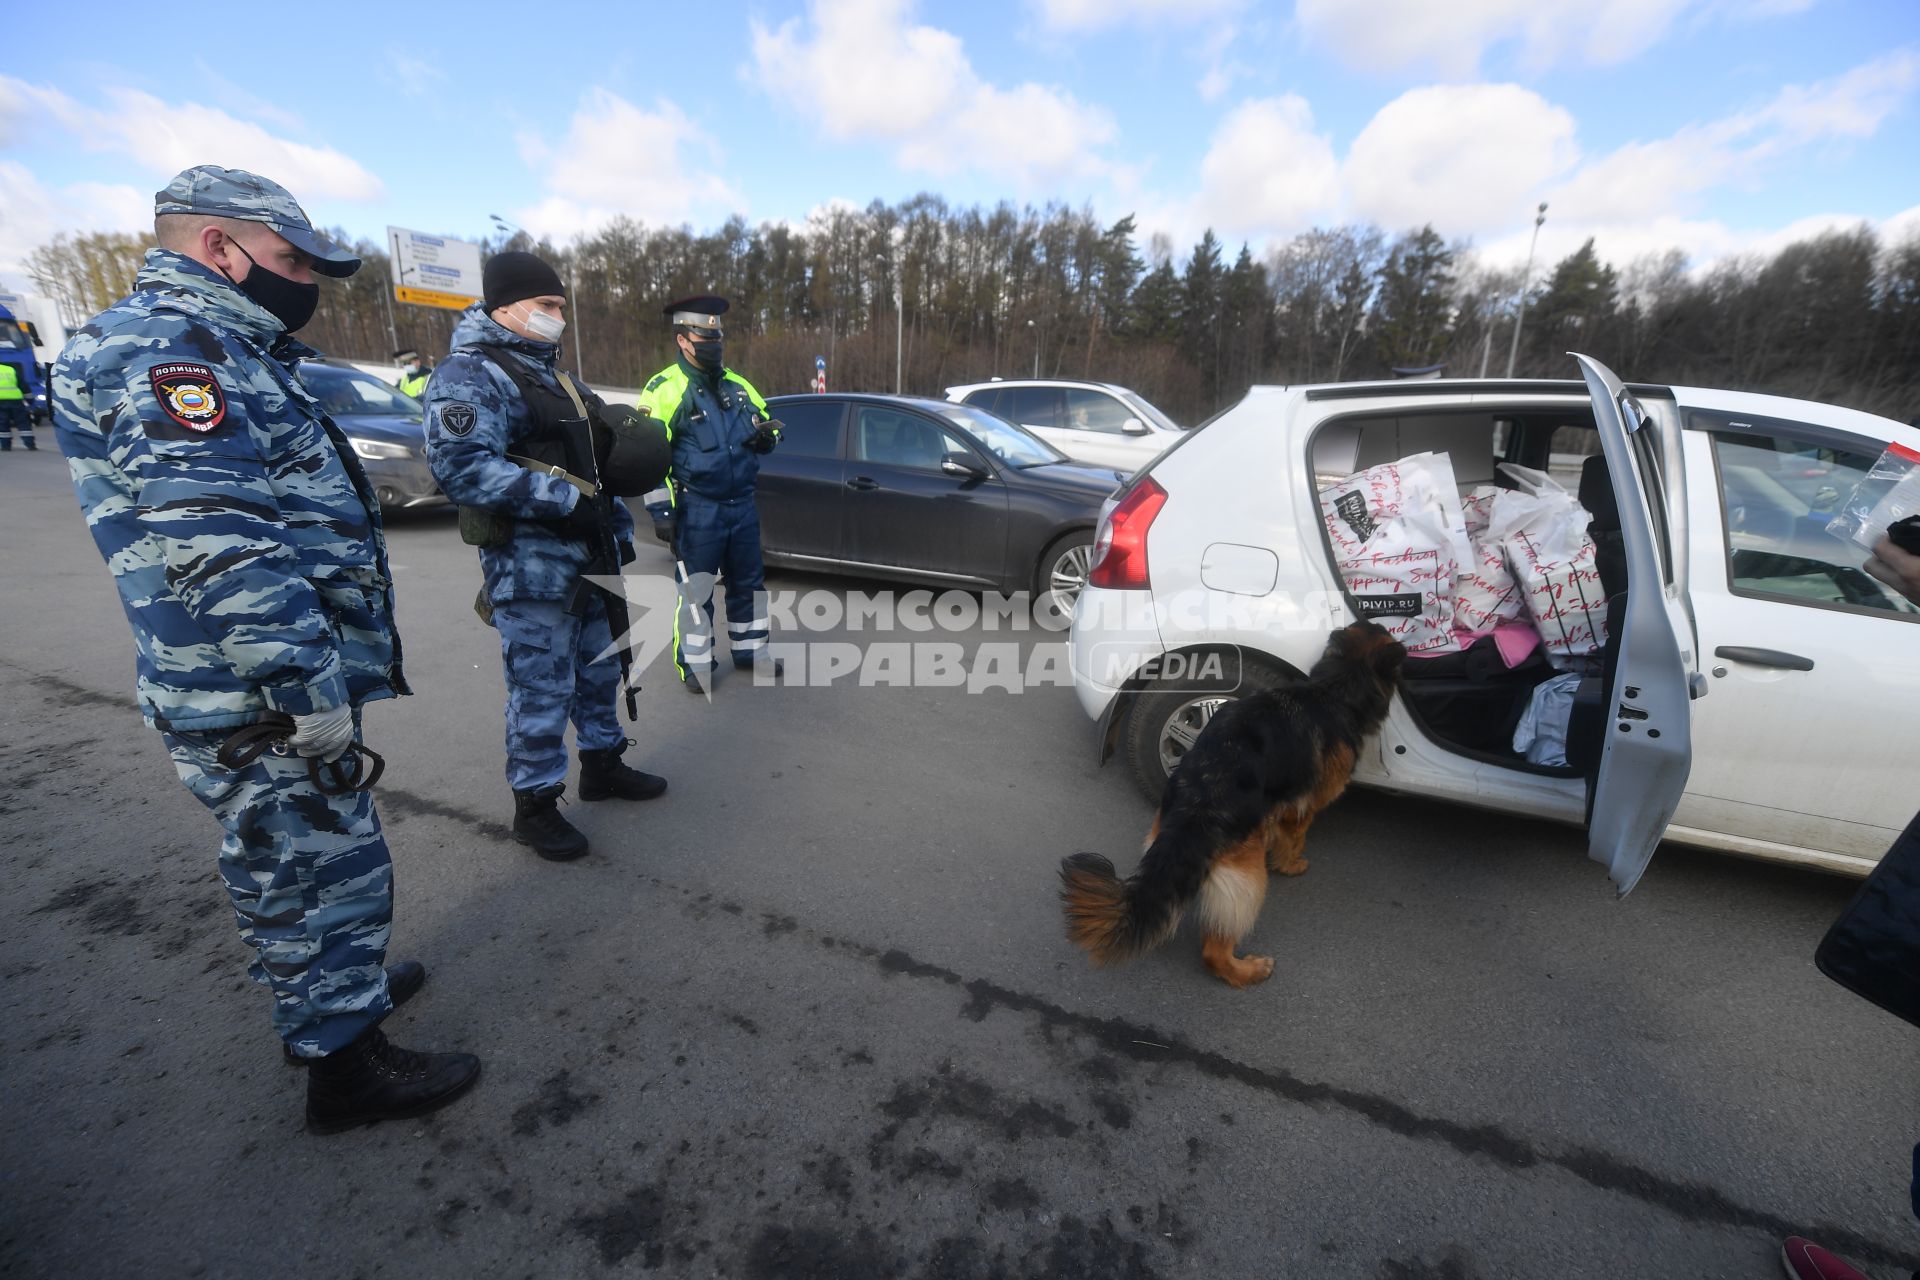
[1761,694]
[1094,422]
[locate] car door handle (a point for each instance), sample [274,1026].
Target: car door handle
[1764,657]
[863,483]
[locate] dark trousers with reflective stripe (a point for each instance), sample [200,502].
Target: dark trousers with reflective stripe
[13,414]
[718,539]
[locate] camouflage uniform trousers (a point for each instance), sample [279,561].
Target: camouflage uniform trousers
[312,888]
[552,676]
[14,415]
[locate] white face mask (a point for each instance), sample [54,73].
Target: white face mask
[543,326]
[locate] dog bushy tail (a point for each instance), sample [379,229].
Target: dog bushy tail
[1113,919]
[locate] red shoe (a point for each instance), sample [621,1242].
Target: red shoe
[1805,1260]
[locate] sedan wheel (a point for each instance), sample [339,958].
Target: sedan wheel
[1063,574]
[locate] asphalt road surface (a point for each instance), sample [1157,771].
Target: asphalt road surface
[813,1013]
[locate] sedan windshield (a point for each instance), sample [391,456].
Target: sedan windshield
[341,390]
[1015,446]
[1148,413]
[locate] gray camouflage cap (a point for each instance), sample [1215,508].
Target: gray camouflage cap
[235,193]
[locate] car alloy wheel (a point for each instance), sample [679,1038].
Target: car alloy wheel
[1067,575]
[1182,729]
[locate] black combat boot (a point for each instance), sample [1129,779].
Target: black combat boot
[403,980]
[691,683]
[375,1079]
[603,777]
[537,822]
[773,667]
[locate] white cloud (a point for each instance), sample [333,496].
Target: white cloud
[1474,160]
[1669,174]
[1452,38]
[1221,71]
[1089,15]
[1901,227]
[1463,157]
[864,73]
[168,138]
[617,158]
[414,77]
[1850,105]
[163,138]
[1267,171]
[31,215]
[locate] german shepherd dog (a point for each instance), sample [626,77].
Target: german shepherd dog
[1238,806]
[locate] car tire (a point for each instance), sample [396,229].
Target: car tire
[1065,561]
[1168,714]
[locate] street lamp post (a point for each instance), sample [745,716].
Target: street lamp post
[1513,351]
[573,290]
[1036,348]
[897,239]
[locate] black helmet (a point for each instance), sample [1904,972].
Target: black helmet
[638,459]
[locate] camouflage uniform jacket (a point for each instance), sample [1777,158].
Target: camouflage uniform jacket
[476,416]
[238,525]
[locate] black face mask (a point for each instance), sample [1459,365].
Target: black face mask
[289,301]
[709,353]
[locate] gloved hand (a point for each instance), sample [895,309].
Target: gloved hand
[325,734]
[581,522]
[765,436]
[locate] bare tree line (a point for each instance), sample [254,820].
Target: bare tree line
[965,294]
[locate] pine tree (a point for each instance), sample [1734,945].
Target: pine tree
[1412,312]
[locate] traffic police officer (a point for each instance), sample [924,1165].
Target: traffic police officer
[413,373]
[13,409]
[245,542]
[497,410]
[720,427]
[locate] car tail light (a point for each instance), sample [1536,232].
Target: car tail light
[1120,553]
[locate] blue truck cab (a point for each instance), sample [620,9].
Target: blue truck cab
[17,343]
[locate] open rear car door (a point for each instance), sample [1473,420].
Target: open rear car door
[1643,762]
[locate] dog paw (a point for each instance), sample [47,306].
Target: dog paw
[1297,867]
[1247,971]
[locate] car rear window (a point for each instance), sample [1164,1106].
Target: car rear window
[988,398]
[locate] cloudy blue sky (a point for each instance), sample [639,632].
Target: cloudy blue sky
[1713,126]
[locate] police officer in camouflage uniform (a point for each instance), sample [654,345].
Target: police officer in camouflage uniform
[496,413]
[720,429]
[245,542]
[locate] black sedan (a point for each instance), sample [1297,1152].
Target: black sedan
[924,491]
[385,428]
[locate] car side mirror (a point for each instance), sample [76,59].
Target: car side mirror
[1134,427]
[959,464]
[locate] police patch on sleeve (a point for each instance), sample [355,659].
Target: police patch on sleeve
[458,419]
[189,395]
